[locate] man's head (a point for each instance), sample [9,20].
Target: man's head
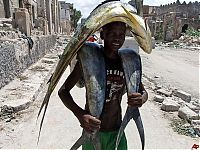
[113,35]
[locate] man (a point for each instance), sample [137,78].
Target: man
[110,120]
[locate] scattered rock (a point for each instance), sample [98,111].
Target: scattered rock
[179,101]
[164,92]
[7,25]
[156,76]
[158,98]
[1,127]
[158,86]
[193,107]
[183,95]
[170,105]
[8,119]
[196,126]
[187,114]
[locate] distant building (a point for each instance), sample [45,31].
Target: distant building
[169,21]
[65,13]
[28,15]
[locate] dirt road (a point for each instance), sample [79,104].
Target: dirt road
[174,67]
[61,129]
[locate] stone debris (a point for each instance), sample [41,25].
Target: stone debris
[179,101]
[196,126]
[193,107]
[164,92]
[187,40]
[7,25]
[170,105]
[183,95]
[187,114]
[158,98]
[158,86]
[7,113]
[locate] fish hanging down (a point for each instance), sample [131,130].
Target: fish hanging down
[104,14]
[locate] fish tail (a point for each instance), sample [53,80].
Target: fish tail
[86,137]
[96,143]
[139,124]
[131,112]
[44,104]
[127,117]
[78,143]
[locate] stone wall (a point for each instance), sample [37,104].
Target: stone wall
[16,56]
[190,10]
[2,13]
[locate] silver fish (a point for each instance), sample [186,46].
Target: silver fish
[132,68]
[95,83]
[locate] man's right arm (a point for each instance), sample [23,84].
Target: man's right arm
[64,91]
[88,122]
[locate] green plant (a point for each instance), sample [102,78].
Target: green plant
[181,127]
[192,32]
[159,34]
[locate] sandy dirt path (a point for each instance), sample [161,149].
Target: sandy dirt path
[61,129]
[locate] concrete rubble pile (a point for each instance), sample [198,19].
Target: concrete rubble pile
[190,40]
[182,104]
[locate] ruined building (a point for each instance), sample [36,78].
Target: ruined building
[65,12]
[47,16]
[28,30]
[170,21]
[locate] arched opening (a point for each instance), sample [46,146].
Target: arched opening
[7,8]
[184,28]
[20,4]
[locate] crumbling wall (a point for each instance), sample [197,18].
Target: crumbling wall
[2,13]
[16,55]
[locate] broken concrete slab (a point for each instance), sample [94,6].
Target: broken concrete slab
[170,105]
[158,98]
[183,95]
[193,107]
[164,92]
[187,114]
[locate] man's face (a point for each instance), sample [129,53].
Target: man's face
[114,36]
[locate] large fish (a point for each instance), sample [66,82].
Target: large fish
[95,77]
[104,14]
[131,63]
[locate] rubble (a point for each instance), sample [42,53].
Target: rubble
[170,105]
[183,95]
[187,114]
[158,98]
[164,92]
[196,126]
[181,102]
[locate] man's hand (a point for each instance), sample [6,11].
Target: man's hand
[135,100]
[89,123]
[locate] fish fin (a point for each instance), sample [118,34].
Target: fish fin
[44,104]
[50,79]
